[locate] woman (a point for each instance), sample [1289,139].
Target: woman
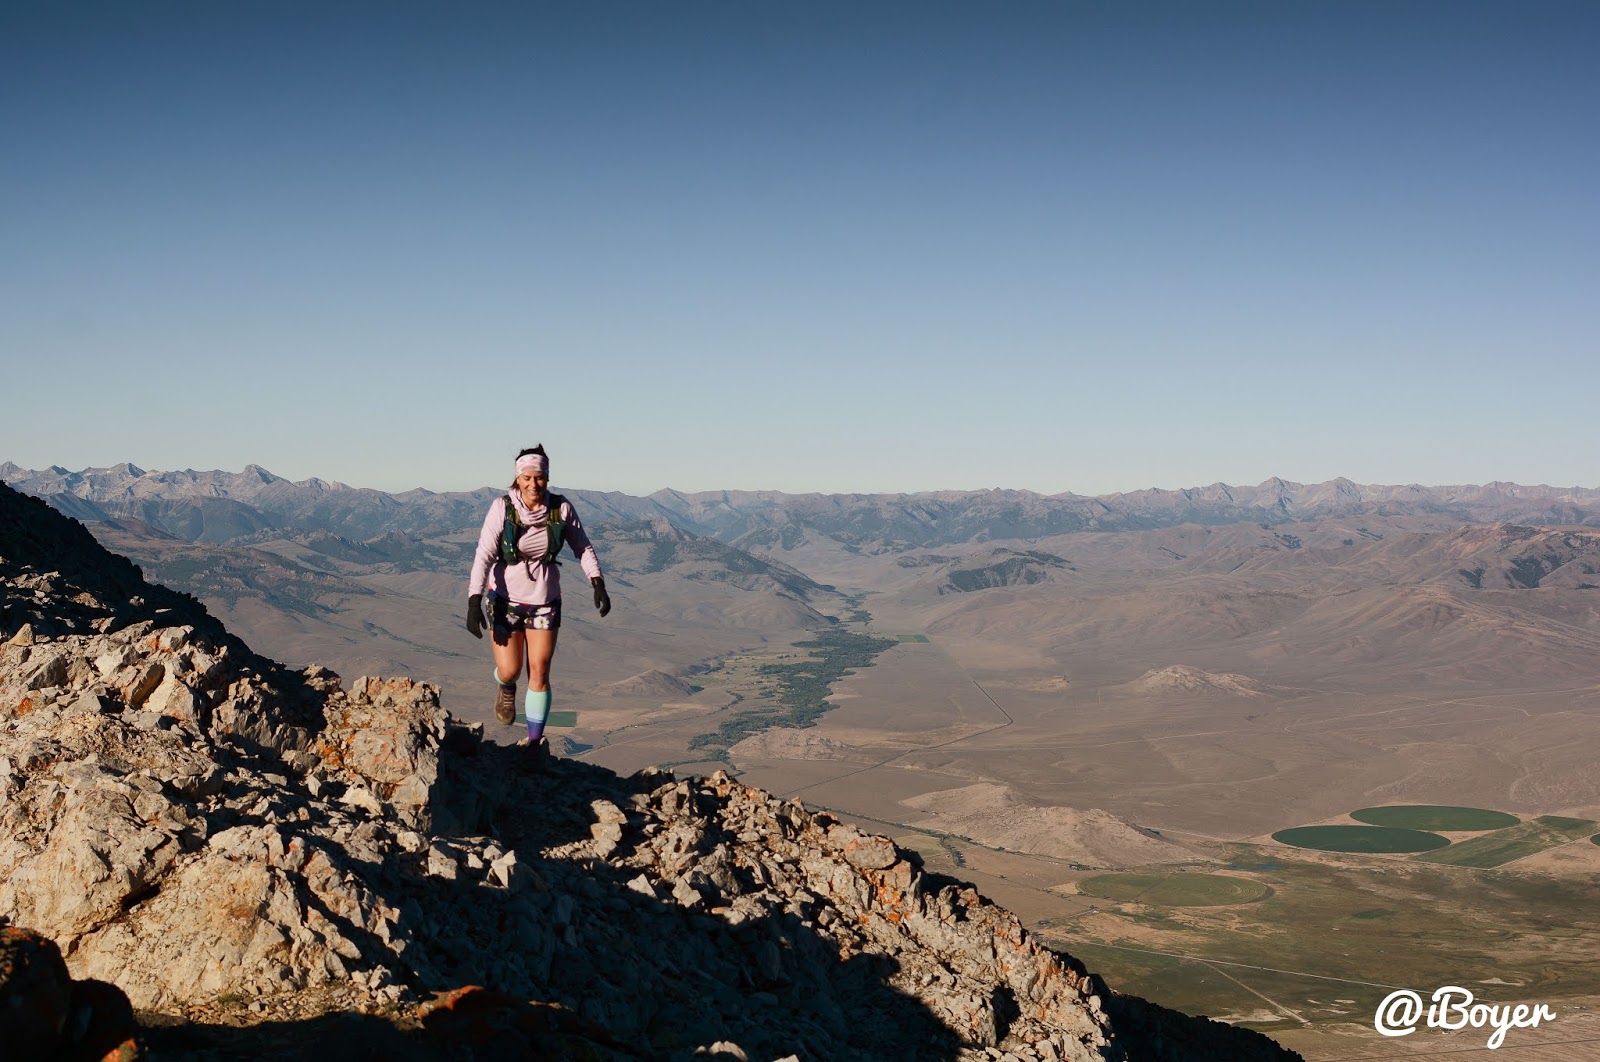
[516,564]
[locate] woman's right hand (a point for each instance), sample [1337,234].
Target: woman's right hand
[475,615]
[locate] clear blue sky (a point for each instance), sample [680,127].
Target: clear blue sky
[805,246]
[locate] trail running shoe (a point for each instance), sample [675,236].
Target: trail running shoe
[505,705]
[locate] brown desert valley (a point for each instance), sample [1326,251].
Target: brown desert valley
[1104,713]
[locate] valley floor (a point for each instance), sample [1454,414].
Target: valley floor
[1028,784]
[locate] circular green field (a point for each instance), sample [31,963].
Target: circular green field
[1435,817]
[1595,838]
[1360,839]
[1175,890]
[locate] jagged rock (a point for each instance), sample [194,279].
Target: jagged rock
[607,829]
[864,852]
[96,699]
[361,798]
[96,850]
[145,682]
[504,871]
[441,864]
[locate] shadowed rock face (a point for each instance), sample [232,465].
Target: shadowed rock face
[206,830]
[48,1017]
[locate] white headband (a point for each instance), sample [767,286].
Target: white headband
[529,462]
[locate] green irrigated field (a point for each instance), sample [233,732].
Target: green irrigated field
[1505,846]
[911,637]
[1435,817]
[1375,839]
[1564,824]
[1172,889]
[562,719]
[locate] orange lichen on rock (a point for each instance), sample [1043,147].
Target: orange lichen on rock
[329,752]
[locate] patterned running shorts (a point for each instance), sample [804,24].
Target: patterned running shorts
[508,618]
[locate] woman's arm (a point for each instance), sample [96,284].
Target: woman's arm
[582,548]
[488,550]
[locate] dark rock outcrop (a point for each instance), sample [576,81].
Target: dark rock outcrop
[46,1016]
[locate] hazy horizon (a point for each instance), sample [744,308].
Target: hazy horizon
[557,482]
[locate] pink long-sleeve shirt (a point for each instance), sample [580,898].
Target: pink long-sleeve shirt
[527,582]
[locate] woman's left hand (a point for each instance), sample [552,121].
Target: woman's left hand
[602,600]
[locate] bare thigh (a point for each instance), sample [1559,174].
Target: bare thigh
[541,650]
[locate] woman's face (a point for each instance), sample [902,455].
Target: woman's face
[531,485]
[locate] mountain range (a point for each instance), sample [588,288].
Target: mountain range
[231,507]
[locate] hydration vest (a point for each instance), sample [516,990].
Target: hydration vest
[511,533]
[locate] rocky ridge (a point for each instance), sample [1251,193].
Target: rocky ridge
[264,861]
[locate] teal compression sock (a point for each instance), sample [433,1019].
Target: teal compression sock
[496,673]
[537,705]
